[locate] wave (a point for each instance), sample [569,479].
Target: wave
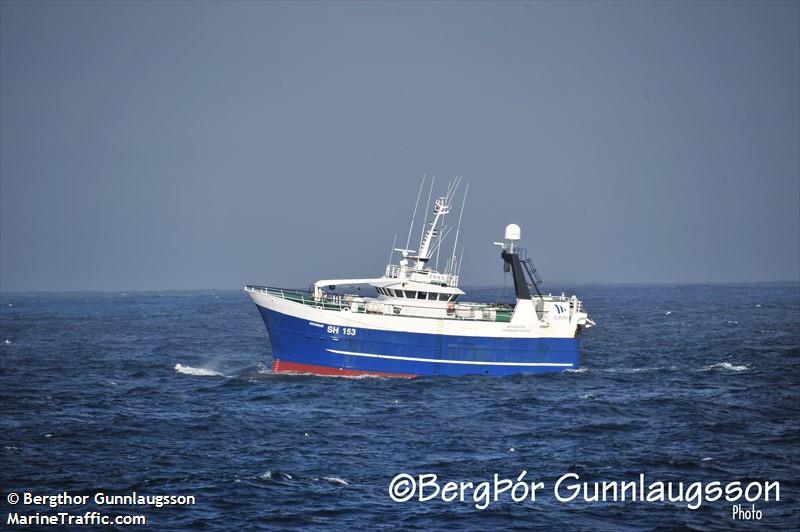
[252,373]
[197,372]
[280,475]
[269,475]
[620,370]
[261,370]
[719,366]
[336,480]
[649,369]
[726,366]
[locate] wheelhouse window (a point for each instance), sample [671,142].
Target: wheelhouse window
[411,293]
[422,295]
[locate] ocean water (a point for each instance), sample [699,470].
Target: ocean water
[171,394]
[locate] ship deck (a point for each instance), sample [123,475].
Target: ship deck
[497,312]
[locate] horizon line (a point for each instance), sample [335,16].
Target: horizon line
[477,287]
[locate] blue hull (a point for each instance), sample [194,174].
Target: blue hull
[299,346]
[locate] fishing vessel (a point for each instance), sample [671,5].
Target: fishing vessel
[416,322]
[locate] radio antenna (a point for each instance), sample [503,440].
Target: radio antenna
[458,227]
[413,216]
[391,252]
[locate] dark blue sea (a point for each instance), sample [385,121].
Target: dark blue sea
[172,394]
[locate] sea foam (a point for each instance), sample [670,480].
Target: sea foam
[726,366]
[197,372]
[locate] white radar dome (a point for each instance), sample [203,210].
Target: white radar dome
[513,232]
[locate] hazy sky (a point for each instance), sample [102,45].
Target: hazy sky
[155,145]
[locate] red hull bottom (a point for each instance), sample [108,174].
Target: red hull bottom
[284,366]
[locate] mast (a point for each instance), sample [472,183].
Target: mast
[441,207]
[427,206]
[511,258]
